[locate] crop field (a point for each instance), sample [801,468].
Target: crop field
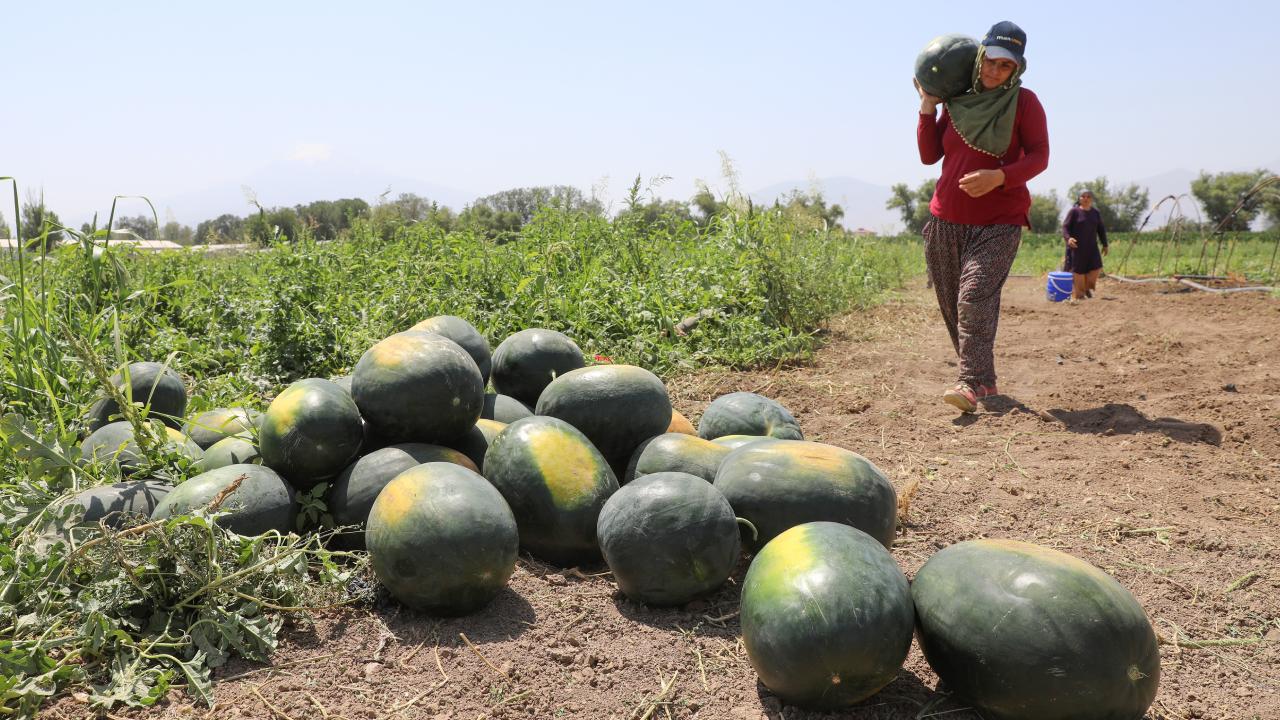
[1128,439]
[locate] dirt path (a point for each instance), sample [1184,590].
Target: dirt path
[1141,433]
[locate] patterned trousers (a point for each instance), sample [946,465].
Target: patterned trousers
[968,265]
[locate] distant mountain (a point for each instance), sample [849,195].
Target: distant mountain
[298,182]
[863,202]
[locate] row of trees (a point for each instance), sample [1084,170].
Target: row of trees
[497,216]
[1123,207]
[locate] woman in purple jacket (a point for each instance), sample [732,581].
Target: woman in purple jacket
[1083,230]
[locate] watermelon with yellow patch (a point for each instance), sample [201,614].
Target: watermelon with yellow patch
[115,442]
[1024,631]
[746,413]
[668,537]
[528,360]
[555,481]
[155,386]
[352,494]
[733,442]
[680,424]
[777,484]
[477,440]
[263,501]
[418,387]
[616,406]
[465,335]
[310,432]
[826,616]
[211,426]
[236,450]
[442,539]
[677,452]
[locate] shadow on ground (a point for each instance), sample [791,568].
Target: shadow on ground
[1124,419]
[906,698]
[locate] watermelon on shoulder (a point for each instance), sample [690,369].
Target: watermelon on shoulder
[945,67]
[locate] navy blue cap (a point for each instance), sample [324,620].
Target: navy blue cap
[1008,36]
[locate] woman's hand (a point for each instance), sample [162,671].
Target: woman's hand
[1073,243]
[981,182]
[1104,249]
[928,103]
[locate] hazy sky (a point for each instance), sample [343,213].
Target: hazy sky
[165,98]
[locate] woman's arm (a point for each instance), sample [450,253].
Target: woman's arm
[1067,222]
[929,136]
[1033,135]
[1102,233]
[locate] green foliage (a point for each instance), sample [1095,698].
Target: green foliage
[503,214]
[1046,212]
[913,204]
[327,218]
[1121,207]
[125,614]
[176,232]
[142,226]
[225,228]
[41,228]
[812,206]
[5,232]
[1222,193]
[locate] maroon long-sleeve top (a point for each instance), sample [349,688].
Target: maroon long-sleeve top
[1027,156]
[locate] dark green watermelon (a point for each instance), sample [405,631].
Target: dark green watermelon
[441,539]
[234,450]
[115,442]
[527,361]
[463,333]
[352,494]
[555,481]
[210,426]
[677,452]
[310,432]
[668,538]
[477,440]
[777,484]
[115,504]
[504,408]
[826,616]
[418,387]
[1024,631]
[745,413]
[616,406]
[155,385]
[945,67]
[263,502]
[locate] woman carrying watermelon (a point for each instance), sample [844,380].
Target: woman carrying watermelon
[991,139]
[1083,231]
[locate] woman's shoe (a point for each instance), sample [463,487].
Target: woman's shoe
[965,398]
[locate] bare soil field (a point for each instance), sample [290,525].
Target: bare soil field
[1140,432]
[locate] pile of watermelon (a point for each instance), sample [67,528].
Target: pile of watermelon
[444,482]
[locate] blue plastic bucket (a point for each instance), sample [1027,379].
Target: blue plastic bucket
[1059,286]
